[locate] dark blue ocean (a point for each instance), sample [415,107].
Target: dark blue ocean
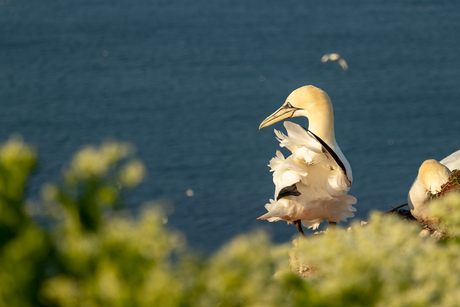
[189,82]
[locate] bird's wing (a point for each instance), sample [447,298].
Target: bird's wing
[311,184]
[298,138]
[324,58]
[309,191]
[312,163]
[288,191]
[332,153]
[344,65]
[452,161]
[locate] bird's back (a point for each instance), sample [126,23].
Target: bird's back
[452,161]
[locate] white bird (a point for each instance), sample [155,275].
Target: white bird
[334,57]
[312,183]
[431,176]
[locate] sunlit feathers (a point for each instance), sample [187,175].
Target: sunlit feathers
[315,178]
[431,176]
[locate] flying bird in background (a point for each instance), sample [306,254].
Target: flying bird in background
[431,176]
[333,57]
[312,183]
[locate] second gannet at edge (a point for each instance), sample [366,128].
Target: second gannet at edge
[431,176]
[312,183]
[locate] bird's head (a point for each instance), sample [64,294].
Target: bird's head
[433,175]
[308,101]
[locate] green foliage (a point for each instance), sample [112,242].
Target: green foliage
[17,160]
[447,210]
[23,247]
[384,263]
[126,263]
[452,185]
[92,253]
[455,177]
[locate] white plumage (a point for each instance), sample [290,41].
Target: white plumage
[312,183]
[431,176]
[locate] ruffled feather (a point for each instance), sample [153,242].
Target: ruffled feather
[322,184]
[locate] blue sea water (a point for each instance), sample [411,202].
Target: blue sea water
[188,82]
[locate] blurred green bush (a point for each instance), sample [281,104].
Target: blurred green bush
[92,253]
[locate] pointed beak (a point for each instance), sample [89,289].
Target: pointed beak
[282,113]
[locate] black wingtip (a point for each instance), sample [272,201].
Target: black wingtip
[288,191]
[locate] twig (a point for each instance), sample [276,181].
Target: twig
[394,209]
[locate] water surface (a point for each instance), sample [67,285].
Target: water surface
[188,82]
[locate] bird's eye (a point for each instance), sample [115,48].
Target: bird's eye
[289,105]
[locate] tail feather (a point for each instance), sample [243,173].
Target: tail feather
[272,214]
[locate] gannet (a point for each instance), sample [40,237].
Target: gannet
[312,183]
[431,176]
[334,57]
